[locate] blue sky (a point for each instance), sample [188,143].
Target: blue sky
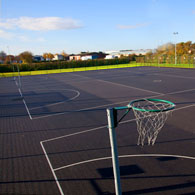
[100,25]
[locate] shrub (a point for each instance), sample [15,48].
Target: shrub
[64,64]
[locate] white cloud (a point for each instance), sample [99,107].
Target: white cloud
[25,38]
[40,24]
[6,35]
[21,37]
[132,26]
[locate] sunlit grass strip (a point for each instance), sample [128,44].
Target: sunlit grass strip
[167,65]
[39,72]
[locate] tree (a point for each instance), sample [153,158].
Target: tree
[48,56]
[45,55]
[26,57]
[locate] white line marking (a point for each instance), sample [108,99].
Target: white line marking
[187,90]
[24,103]
[128,86]
[70,99]
[27,109]
[169,75]
[20,92]
[84,109]
[125,156]
[52,170]
[72,134]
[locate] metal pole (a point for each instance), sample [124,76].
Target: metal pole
[114,151]
[19,80]
[175,33]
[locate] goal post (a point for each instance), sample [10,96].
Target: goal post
[111,113]
[150,114]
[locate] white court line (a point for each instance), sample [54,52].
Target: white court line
[127,86]
[52,170]
[70,99]
[176,76]
[25,104]
[27,109]
[124,156]
[72,134]
[183,91]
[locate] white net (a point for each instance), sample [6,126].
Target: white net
[150,118]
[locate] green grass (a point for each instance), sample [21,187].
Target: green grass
[39,72]
[167,65]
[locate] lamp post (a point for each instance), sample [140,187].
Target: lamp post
[175,33]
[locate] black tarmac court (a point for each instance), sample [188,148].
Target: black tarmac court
[54,137]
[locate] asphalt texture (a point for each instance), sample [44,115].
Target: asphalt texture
[54,137]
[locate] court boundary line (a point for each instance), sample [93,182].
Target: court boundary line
[25,105]
[113,83]
[53,104]
[176,76]
[52,170]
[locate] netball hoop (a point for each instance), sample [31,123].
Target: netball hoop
[150,114]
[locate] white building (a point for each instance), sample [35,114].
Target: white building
[58,57]
[111,56]
[127,52]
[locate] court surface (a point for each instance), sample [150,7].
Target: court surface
[54,137]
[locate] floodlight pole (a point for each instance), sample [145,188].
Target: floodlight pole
[175,33]
[114,151]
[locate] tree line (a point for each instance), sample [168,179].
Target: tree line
[184,52]
[24,57]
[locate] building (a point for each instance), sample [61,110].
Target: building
[74,57]
[58,57]
[87,56]
[111,56]
[38,58]
[127,52]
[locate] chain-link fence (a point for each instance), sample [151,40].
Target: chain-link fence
[167,61]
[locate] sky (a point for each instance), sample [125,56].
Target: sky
[74,26]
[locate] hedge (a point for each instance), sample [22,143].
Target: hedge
[62,64]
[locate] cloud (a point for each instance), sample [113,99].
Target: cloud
[6,35]
[25,38]
[40,24]
[132,26]
[21,37]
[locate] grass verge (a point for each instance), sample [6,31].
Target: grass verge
[39,72]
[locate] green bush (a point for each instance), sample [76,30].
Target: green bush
[63,64]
